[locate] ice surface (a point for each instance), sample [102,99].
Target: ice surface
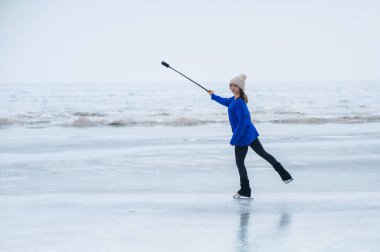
[170,189]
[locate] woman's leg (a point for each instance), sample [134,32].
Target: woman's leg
[240,154]
[259,149]
[245,189]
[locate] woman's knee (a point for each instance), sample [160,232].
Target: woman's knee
[240,162]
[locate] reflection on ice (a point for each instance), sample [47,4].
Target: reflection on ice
[284,221]
[243,240]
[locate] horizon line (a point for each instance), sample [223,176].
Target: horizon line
[163,82]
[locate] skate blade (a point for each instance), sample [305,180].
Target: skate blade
[288,181]
[238,196]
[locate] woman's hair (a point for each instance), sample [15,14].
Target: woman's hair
[243,95]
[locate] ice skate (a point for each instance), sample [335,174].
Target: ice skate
[245,190]
[238,196]
[288,181]
[284,174]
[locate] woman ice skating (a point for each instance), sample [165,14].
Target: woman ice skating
[245,134]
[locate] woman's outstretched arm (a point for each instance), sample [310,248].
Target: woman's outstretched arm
[224,101]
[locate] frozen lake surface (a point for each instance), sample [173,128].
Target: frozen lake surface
[165,188]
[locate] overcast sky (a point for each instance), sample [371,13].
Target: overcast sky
[79,41]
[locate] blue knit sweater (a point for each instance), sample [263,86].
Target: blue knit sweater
[244,132]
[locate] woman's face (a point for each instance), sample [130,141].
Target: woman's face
[235,89]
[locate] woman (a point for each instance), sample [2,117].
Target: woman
[245,134]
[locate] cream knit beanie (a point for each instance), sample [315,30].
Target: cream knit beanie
[239,81]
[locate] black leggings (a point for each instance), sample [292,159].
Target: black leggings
[241,152]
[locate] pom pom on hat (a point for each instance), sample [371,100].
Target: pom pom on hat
[239,81]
